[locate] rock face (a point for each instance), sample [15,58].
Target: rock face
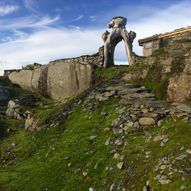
[168,70]
[68,79]
[58,79]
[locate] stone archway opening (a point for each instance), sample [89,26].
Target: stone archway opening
[111,40]
[120,56]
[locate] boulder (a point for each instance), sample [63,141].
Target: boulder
[146,121]
[14,110]
[59,79]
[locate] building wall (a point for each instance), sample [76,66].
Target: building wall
[150,47]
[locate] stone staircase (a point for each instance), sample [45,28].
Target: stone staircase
[143,109]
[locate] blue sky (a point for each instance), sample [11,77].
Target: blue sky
[44,30]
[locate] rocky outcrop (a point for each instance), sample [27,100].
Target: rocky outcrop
[167,72]
[67,79]
[179,87]
[59,79]
[14,110]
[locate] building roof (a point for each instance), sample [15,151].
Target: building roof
[164,35]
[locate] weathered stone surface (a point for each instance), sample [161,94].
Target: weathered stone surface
[68,79]
[27,79]
[120,165]
[184,108]
[13,110]
[59,79]
[179,88]
[117,34]
[145,121]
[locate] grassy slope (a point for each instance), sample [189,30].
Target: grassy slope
[55,159]
[33,102]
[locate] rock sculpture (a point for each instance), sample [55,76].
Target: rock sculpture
[117,34]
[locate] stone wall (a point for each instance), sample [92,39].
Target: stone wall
[59,79]
[95,59]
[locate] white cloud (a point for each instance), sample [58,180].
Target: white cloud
[8,9]
[27,22]
[80,17]
[161,21]
[49,43]
[31,5]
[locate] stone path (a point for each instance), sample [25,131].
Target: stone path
[138,108]
[143,107]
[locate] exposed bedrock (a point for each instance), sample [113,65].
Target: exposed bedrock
[58,79]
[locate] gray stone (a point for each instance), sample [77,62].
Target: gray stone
[136,125]
[107,142]
[118,142]
[84,173]
[164,181]
[129,124]
[116,156]
[188,151]
[13,110]
[120,165]
[112,187]
[104,113]
[184,108]
[146,121]
[183,187]
[159,138]
[101,97]
[59,79]
[181,157]
[13,144]
[92,137]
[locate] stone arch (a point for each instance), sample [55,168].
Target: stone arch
[111,40]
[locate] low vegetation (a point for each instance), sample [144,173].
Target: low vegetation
[74,155]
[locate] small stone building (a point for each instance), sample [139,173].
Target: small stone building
[152,43]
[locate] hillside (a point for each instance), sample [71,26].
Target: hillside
[114,136]
[124,128]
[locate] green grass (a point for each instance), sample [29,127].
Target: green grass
[156,82]
[56,158]
[102,74]
[5,124]
[36,156]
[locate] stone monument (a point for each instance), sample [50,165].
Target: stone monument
[118,33]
